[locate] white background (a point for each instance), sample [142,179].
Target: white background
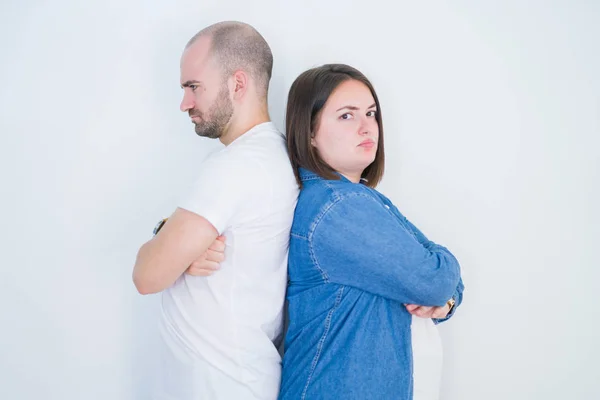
[492,124]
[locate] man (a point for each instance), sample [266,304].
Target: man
[220,332]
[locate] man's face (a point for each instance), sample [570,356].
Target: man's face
[206,94]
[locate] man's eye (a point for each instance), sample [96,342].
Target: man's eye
[193,87]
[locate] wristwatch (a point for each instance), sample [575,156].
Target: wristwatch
[159,225]
[451,304]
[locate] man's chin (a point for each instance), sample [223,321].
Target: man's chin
[208,133]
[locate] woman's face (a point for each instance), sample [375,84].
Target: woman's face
[347,134]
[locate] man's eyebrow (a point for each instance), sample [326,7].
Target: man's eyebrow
[354,108]
[189,83]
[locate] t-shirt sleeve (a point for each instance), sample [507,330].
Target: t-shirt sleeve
[223,185]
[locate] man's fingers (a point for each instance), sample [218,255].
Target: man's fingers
[206,264]
[218,245]
[215,256]
[198,271]
[411,307]
[202,268]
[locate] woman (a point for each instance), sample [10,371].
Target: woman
[357,268]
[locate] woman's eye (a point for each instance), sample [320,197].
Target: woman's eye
[372,113]
[346,116]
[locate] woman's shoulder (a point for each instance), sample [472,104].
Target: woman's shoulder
[338,205]
[318,197]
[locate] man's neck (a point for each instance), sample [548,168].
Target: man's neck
[240,126]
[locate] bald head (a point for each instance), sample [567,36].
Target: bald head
[238,46]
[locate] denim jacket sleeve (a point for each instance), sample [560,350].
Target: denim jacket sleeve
[458,293]
[457,296]
[359,243]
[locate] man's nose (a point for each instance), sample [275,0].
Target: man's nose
[187,103]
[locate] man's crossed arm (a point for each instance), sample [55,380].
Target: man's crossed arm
[183,244]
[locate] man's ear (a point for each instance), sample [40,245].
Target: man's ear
[239,84]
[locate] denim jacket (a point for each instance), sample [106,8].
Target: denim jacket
[354,261]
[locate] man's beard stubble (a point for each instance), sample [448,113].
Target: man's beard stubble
[219,113]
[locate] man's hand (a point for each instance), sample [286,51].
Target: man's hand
[210,261]
[428,312]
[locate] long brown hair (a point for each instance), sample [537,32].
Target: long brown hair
[307,97]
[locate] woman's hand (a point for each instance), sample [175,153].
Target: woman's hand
[428,312]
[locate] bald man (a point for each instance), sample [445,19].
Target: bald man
[220,332]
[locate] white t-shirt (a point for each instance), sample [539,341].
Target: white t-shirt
[220,332]
[427,359]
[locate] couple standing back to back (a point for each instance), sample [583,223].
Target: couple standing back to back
[365,286]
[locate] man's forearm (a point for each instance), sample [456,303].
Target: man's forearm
[145,272]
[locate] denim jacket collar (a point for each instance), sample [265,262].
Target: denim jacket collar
[308,175]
